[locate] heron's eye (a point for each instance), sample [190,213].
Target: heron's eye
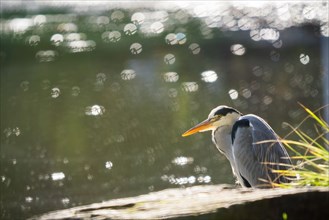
[215,118]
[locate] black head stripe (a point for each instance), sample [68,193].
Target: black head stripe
[225,111]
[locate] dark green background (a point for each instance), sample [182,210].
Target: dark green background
[140,130]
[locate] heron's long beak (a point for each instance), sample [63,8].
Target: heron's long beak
[203,126]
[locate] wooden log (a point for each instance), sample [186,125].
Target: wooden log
[208,202]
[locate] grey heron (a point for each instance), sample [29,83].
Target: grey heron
[249,143]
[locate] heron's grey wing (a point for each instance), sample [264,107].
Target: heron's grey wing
[254,161]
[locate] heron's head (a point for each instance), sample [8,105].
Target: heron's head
[219,116]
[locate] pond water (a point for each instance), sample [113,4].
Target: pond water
[94,100]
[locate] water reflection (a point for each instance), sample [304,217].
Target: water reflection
[233,94]
[277,44]
[25,85]
[65,201]
[33,40]
[171,39]
[186,180]
[67,27]
[195,48]
[113,36]
[45,84]
[12,131]
[57,176]
[130,29]
[157,27]
[190,86]
[55,92]
[20,25]
[127,74]
[101,97]
[138,18]
[171,77]
[57,39]
[209,76]
[77,46]
[181,38]
[75,90]
[169,59]
[304,58]
[46,55]
[181,160]
[136,48]
[108,165]
[275,55]
[238,49]
[95,110]
[117,16]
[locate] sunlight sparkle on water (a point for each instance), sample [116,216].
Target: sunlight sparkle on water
[195,48]
[57,176]
[169,59]
[304,58]
[170,77]
[136,48]
[181,161]
[95,110]
[190,86]
[209,76]
[233,94]
[238,49]
[55,92]
[128,74]
[20,25]
[108,165]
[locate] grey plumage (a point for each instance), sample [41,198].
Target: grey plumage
[249,143]
[260,158]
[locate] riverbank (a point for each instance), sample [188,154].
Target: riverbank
[208,202]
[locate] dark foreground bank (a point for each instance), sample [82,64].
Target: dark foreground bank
[208,202]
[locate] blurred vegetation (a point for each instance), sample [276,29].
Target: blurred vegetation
[311,155]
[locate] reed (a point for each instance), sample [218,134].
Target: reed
[310,155]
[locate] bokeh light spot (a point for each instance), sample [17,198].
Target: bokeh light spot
[233,94]
[304,58]
[130,29]
[46,55]
[138,18]
[33,40]
[182,161]
[181,38]
[57,176]
[238,49]
[275,56]
[136,48]
[190,86]
[108,165]
[170,77]
[55,92]
[157,27]
[171,39]
[128,74]
[117,16]
[169,59]
[114,36]
[195,48]
[57,39]
[209,76]
[95,110]
[75,91]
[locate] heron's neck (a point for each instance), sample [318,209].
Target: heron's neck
[222,139]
